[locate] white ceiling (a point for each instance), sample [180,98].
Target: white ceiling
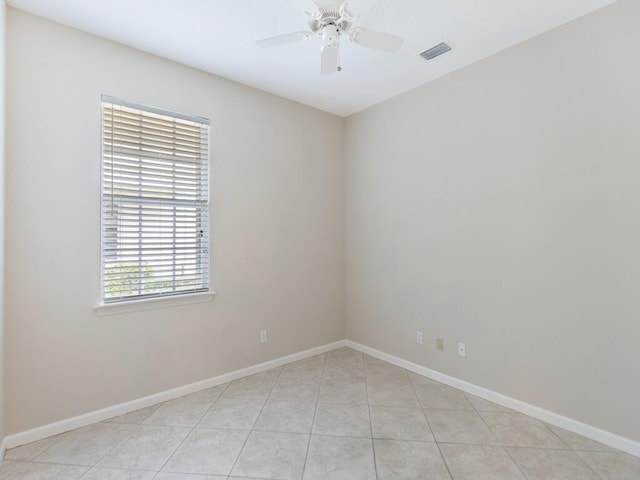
[219,36]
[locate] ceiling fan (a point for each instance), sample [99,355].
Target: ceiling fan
[330,20]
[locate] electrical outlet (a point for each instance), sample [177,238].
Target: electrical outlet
[419,339]
[263,336]
[462,350]
[440,344]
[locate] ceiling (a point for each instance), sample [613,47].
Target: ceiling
[219,36]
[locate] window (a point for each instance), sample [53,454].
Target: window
[155,202]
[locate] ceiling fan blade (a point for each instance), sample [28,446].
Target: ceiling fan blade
[329,60]
[376,40]
[283,39]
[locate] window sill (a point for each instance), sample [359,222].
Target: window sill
[103,309]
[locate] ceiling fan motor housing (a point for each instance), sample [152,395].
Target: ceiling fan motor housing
[331,36]
[330,16]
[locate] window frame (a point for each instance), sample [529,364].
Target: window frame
[173,297]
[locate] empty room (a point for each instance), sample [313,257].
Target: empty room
[320,239]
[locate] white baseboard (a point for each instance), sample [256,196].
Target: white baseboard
[594,433]
[602,436]
[86,419]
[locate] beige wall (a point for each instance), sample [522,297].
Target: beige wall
[277,218]
[499,206]
[3,9]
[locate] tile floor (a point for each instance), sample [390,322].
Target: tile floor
[336,416]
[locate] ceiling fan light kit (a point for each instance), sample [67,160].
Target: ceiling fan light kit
[330,21]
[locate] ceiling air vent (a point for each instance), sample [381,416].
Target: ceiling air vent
[436,51]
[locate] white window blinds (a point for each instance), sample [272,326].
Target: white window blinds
[155,202]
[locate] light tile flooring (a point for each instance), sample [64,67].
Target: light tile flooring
[336,416]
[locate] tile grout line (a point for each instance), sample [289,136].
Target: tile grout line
[571,450]
[251,430]
[33,459]
[125,438]
[109,451]
[313,419]
[524,475]
[444,461]
[504,448]
[366,385]
[213,404]
[192,429]
[422,409]
[13,475]
[126,470]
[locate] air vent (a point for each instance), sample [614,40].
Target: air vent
[436,51]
